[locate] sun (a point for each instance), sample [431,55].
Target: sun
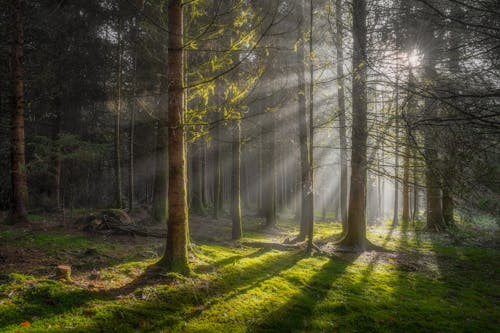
[414,58]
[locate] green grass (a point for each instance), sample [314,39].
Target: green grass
[425,283]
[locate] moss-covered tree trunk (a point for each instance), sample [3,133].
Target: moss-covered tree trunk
[18,212]
[176,257]
[355,237]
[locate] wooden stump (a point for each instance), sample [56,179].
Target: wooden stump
[64,272]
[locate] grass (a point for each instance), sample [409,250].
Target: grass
[425,283]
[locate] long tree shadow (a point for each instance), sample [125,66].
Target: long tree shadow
[158,298]
[173,306]
[298,312]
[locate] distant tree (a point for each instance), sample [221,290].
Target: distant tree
[18,212]
[339,45]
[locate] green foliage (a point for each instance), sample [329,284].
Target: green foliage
[67,147]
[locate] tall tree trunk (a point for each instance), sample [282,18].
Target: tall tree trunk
[236,230]
[448,206]
[269,192]
[176,257]
[435,220]
[380,209]
[355,237]
[131,169]
[414,215]
[303,136]
[311,130]
[406,183]
[19,184]
[217,174]
[342,114]
[395,218]
[118,172]
[55,191]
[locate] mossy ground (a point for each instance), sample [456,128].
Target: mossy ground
[423,283]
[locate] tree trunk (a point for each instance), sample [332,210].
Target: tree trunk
[355,237]
[269,193]
[414,215]
[448,206]
[176,257]
[131,169]
[311,130]
[342,114]
[19,184]
[435,221]
[236,230]
[303,137]
[406,183]
[118,172]
[217,173]
[395,218]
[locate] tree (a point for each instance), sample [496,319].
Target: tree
[342,113]
[175,257]
[305,178]
[355,236]
[236,229]
[18,212]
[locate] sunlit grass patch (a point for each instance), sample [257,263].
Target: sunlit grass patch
[422,284]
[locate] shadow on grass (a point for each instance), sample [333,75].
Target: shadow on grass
[299,311]
[154,299]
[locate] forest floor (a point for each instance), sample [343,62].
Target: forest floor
[422,283]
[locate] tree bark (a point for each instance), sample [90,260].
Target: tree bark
[303,136]
[395,218]
[406,184]
[236,230]
[342,114]
[176,257]
[310,207]
[118,172]
[355,237]
[131,169]
[435,221]
[18,212]
[218,200]
[414,216]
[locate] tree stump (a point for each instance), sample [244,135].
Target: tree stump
[64,272]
